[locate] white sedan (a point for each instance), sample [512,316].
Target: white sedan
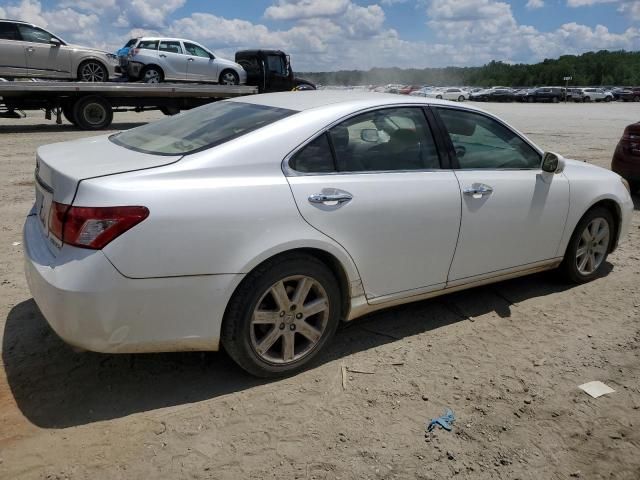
[456,94]
[259,223]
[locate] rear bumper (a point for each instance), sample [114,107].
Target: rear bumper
[89,304]
[626,165]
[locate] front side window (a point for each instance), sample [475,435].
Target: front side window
[196,50]
[34,34]
[200,128]
[8,31]
[170,46]
[482,142]
[275,64]
[148,44]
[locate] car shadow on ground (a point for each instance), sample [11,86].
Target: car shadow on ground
[66,127]
[55,386]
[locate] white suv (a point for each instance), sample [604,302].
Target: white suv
[153,60]
[596,94]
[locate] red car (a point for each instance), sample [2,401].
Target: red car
[408,89]
[626,158]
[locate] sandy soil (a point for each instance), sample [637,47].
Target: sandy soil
[506,358]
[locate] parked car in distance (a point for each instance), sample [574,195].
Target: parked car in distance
[408,89]
[494,95]
[157,59]
[164,241]
[27,50]
[522,95]
[626,158]
[596,95]
[456,94]
[575,95]
[546,94]
[630,94]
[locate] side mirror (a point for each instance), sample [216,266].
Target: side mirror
[369,135]
[54,42]
[552,163]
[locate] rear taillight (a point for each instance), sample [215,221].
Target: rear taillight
[92,227]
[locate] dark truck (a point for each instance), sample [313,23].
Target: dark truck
[270,71]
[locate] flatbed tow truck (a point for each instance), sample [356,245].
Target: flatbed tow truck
[90,106]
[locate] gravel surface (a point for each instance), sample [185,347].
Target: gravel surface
[506,358]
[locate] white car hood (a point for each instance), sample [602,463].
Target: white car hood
[62,165]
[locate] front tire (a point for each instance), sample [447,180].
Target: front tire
[461,98]
[92,71]
[282,316]
[229,77]
[589,246]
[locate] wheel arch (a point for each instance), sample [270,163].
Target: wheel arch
[147,66]
[616,211]
[337,261]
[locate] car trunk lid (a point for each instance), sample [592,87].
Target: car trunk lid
[60,167]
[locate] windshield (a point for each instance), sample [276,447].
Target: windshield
[130,43]
[200,128]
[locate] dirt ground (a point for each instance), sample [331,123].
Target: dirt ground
[506,358]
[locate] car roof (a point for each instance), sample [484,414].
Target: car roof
[168,39]
[314,99]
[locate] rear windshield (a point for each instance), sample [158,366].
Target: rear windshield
[200,128]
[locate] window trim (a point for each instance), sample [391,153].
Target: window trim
[442,159]
[455,164]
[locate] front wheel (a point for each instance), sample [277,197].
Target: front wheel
[229,77]
[92,71]
[282,316]
[461,98]
[589,246]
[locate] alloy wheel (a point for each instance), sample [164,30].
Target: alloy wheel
[289,320]
[92,72]
[593,246]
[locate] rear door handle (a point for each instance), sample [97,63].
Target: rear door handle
[478,190]
[162,55]
[323,198]
[190,59]
[31,49]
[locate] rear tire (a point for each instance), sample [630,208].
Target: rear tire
[92,113]
[263,334]
[152,74]
[461,98]
[589,246]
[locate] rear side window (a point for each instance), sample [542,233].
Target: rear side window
[148,44]
[170,46]
[8,31]
[316,157]
[200,128]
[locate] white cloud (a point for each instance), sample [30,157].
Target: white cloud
[296,9]
[583,3]
[534,4]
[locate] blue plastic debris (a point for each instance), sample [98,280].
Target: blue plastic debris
[444,421]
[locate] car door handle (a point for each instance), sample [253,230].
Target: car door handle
[323,198]
[190,59]
[31,49]
[478,189]
[162,55]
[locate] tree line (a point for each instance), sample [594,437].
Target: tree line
[589,69]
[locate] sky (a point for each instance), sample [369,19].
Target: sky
[328,35]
